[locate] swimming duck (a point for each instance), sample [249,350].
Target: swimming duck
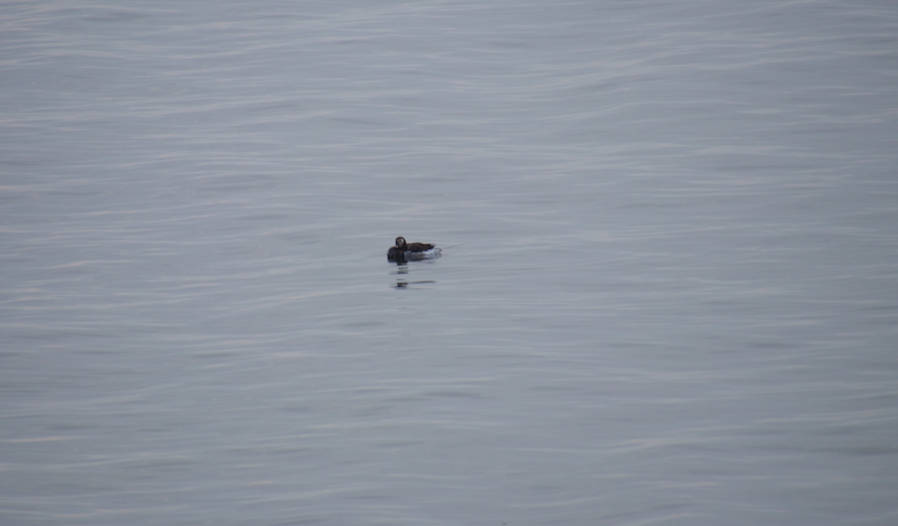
[402,251]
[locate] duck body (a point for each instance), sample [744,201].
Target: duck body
[403,251]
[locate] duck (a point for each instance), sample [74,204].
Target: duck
[403,250]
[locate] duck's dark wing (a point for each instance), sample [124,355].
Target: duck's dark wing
[419,247]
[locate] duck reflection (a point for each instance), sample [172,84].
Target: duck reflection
[402,282]
[405,284]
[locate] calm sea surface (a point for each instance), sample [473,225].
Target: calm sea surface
[668,293]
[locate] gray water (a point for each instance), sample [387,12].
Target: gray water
[668,290]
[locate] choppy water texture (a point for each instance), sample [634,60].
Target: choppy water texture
[667,292]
